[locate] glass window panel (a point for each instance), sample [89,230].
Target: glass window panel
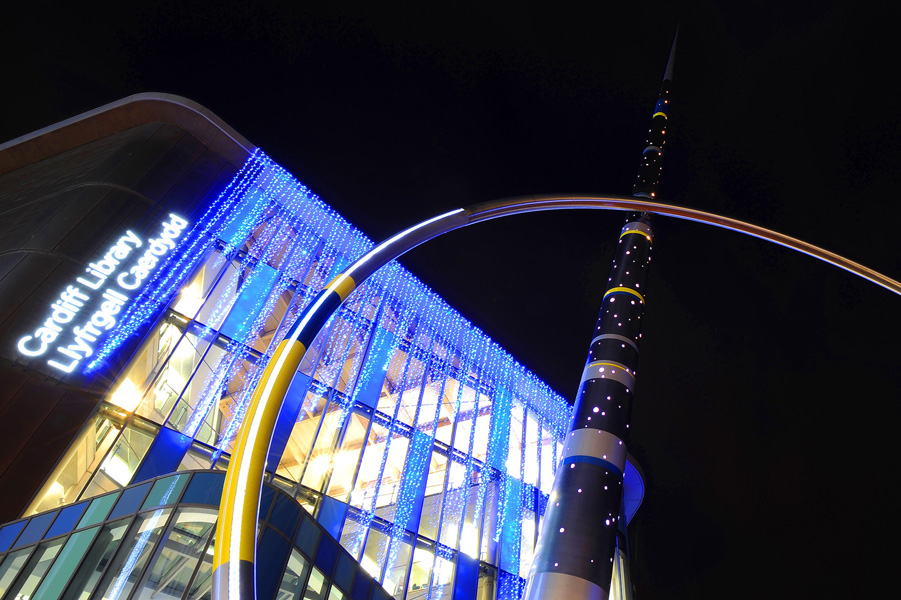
[472,523]
[98,510]
[74,471]
[483,429]
[454,504]
[263,339]
[389,488]
[294,577]
[396,575]
[183,547]
[335,594]
[211,393]
[219,300]
[345,461]
[316,586]
[527,542]
[65,564]
[11,566]
[447,414]
[131,391]
[202,584]
[465,418]
[320,462]
[353,532]
[35,529]
[530,468]
[393,381]
[420,574]
[442,579]
[487,583]
[192,295]
[9,534]
[302,438]
[488,552]
[370,471]
[66,521]
[33,572]
[431,508]
[514,454]
[374,553]
[95,560]
[547,461]
[122,461]
[128,563]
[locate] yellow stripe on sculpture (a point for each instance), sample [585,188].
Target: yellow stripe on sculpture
[626,290]
[233,546]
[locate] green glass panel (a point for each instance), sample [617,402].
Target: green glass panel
[166,491]
[96,560]
[98,510]
[65,564]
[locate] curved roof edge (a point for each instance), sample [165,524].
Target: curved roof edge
[119,116]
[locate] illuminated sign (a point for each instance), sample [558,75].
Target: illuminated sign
[85,310]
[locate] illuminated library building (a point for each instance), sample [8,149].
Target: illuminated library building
[151,259]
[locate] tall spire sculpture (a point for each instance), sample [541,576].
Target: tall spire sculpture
[576,548]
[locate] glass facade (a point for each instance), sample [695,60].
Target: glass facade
[417,443]
[154,540]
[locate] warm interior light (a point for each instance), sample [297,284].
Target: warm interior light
[128,396]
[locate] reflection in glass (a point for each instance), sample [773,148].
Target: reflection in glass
[11,566]
[34,571]
[75,470]
[180,553]
[128,563]
[123,460]
[293,579]
[95,561]
[316,586]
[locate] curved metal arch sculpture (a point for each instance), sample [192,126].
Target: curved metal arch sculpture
[235,547]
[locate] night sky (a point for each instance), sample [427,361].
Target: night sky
[766,408]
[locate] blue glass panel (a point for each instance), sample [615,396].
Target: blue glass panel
[308,536]
[130,501]
[166,491]
[266,496]
[35,529]
[9,533]
[249,303]
[373,374]
[272,553]
[66,520]
[98,509]
[326,555]
[164,455]
[344,572]
[285,515]
[466,580]
[362,586]
[331,515]
[205,488]
[379,593]
[287,416]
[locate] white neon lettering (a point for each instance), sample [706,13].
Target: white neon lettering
[24,349]
[66,309]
